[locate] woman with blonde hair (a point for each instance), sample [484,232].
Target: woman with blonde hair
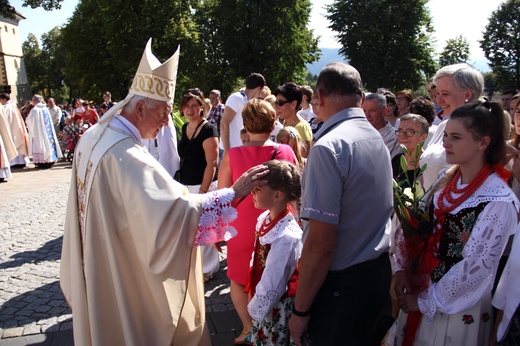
[290,136]
[258,118]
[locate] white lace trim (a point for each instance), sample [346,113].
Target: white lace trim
[467,281]
[216,215]
[286,247]
[287,225]
[493,189]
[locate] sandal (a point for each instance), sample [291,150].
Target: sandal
[246,340]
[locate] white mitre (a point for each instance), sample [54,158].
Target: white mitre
[152,79]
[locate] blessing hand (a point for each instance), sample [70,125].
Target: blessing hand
[249,180]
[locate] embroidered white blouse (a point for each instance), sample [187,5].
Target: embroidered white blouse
[467,281]
[286,248]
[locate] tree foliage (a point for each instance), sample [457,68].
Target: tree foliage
[222,41]
[45,66]
[104,41]
[455,51]
[7,10]
[34,63]
[387,41]
[265,36]
[501,44]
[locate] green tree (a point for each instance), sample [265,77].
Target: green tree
[501,44]
[44,65]
[455,51]
[388,41]
[490,84]
[34,64]
[104,41]
[54,60]
[7,10]
[265,36]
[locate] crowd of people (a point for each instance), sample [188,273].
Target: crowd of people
[299,184]
[43,132]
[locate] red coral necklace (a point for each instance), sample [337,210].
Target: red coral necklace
[266,225]
[466,191]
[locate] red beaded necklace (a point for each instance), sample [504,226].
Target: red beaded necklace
[441,210]
[466,191]
[266,225]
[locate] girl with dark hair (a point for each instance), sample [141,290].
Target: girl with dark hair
[474,212]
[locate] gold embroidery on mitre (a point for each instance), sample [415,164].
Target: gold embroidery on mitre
[153,79]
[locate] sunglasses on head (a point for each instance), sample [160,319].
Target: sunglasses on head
[280,103]
[195,92]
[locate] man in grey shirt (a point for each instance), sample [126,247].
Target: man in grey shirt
[347,201]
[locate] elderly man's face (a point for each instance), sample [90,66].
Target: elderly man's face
[153,118]
[375,113]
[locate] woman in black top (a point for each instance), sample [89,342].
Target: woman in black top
[198,150]
[198,147]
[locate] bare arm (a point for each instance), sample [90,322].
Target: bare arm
[317,255]
[210,146]
[227,117]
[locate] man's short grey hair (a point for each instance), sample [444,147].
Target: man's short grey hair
[37,98]
[464,77]
[215,91]
[338,78]
[381,99]
[152,103]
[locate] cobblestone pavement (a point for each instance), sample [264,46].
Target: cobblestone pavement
[32,214]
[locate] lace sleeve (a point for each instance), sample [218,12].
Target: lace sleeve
[217,213]
[280,265]
[467,281]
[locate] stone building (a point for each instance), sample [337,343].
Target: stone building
[13,78]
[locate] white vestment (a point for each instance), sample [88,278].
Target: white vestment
[18,133]
[43,143]
[129,270]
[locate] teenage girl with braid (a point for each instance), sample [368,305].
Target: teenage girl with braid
[273,275]
[474,212]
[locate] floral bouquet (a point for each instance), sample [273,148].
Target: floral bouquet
[413,242]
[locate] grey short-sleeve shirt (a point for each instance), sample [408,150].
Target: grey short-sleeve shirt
[348,182]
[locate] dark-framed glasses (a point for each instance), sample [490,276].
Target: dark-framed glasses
[280,103]
[407,132]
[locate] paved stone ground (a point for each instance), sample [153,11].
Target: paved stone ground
[32,307]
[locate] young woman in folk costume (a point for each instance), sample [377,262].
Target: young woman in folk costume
[474,213]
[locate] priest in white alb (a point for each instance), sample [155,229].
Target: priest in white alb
[131,261]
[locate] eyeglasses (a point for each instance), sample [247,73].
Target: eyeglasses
[195,92]
[280,103]
[407,132]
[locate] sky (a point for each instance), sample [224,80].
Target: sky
[451,18]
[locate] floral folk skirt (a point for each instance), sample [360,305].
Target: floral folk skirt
[274,329]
